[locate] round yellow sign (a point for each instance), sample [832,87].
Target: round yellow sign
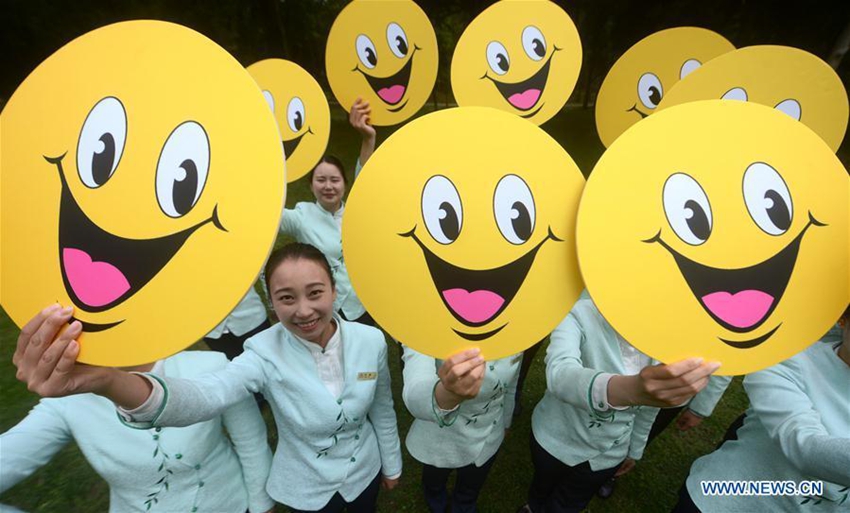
[717,229]
[790,80]
[639,80]
[143,181]
[460,233]
[300,109]
[521,57]
[384,53]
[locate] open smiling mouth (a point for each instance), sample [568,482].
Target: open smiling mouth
[101,270]
[393,88]
[741,300]
[290,145]
[525,95]
[476,297]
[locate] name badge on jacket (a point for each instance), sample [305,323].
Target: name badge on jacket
[366,376]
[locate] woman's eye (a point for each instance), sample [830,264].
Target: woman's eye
[366,51]
[181,172]
[101,142]
[768,199]
[497,58]
[687,209]
[397,40]
[650,91]
[513,205]
[533,43]
[441,209]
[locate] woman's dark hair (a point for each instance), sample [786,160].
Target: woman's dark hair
[332,160]
[295,251]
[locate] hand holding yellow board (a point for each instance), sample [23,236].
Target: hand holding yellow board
[719,230]
[520,57]
[300,109]
[788,79]
[638,81]
[455,238]
[146,192]
[386,54]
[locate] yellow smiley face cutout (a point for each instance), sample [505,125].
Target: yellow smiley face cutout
[788,79]
[641,77]
[133,192]
[452,241]
[300,109]
[384,53]
[521,57]
[717,229]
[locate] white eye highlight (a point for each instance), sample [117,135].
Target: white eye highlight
[533,43]
[366,51]
[688,67]
[181,172]
[296,116]
[687,209]
[791,107]
[269,99]
[768,199]
[513,205]
[497,58]
[650,91]
[441,209]
[397,40]
[736,93]
[101,142]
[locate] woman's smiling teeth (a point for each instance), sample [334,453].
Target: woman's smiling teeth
[307,325]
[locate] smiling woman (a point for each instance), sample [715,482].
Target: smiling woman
[326,379]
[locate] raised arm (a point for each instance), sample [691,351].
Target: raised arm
[359,117]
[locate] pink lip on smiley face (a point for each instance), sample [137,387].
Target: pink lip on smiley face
[100,270]
[740,300]
[477,297]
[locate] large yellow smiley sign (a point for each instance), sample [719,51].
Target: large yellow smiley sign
[460,233]
[134,192]
[718,229]
[521,57]
[385,53]
[640,79]
[300,109]
[790,80]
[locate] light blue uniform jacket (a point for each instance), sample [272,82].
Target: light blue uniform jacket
[474,431]
[797,428]
[198,462]
[565,422]
[325,445]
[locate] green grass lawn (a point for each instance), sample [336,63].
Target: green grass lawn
[67,483]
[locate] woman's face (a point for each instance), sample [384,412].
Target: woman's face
[303,297]
[328,186]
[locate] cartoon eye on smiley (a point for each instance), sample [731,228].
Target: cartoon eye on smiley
[473,239]
[384,53]
[300,109]
[521,57]
[139,198]
[637,83]
[790,80]
[727,227]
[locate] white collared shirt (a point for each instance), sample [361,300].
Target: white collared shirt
[329,363]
